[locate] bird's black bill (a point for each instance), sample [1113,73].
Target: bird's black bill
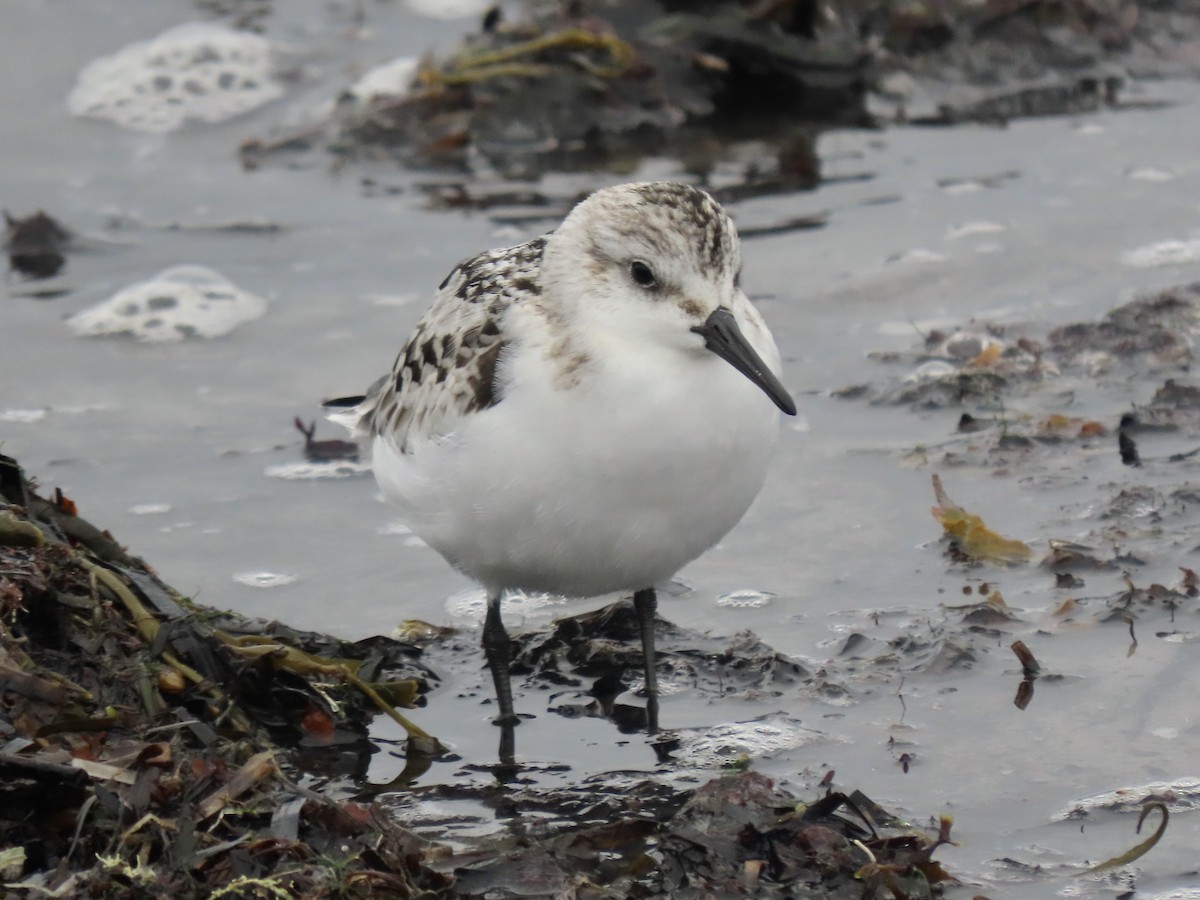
[723,337]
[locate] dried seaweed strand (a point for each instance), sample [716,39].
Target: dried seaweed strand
[506,61]
[1138,850]
[300,663]
[145,621]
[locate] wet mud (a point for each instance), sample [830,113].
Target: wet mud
[126,777]
[154,746]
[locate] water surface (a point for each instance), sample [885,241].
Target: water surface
[169,446]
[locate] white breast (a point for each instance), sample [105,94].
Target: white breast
[611,483]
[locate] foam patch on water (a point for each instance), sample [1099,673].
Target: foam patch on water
[728,744]
[177,303]
[472,604]
[197,71]
[1182,795]
[150,509]
[308,471]
[392,79]
[449,9]
[23,416]
[1164,253]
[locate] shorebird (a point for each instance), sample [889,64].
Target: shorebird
[583,413]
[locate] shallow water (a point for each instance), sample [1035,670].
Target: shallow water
[170,446]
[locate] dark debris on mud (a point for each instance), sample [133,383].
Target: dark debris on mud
[591,659]
[1047,405]
[987,369]
[36,244]
[1105,414]
[586,85]
[150,746]
[578,86]
[736,835]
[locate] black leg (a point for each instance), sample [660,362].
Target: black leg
[644,604]
[507,770]
[498,650]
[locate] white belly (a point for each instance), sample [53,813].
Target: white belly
[581,492]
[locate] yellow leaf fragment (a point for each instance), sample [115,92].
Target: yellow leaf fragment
[254,770]
[1056,422]
[988,357]
[1065,608]
[298,662]
[974,538]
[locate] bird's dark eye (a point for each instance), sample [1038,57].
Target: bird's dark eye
[642,274]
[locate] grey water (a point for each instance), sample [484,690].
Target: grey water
[179,448]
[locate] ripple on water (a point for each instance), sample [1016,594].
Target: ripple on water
[472,603]
[733,742]
[149,509]
[264,579]
[745,598]
[1163,253]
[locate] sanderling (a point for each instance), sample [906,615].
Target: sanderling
[583,413]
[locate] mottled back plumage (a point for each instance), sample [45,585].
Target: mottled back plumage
[456,345]
[447,369]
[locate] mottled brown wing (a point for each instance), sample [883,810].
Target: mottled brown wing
[447,370]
